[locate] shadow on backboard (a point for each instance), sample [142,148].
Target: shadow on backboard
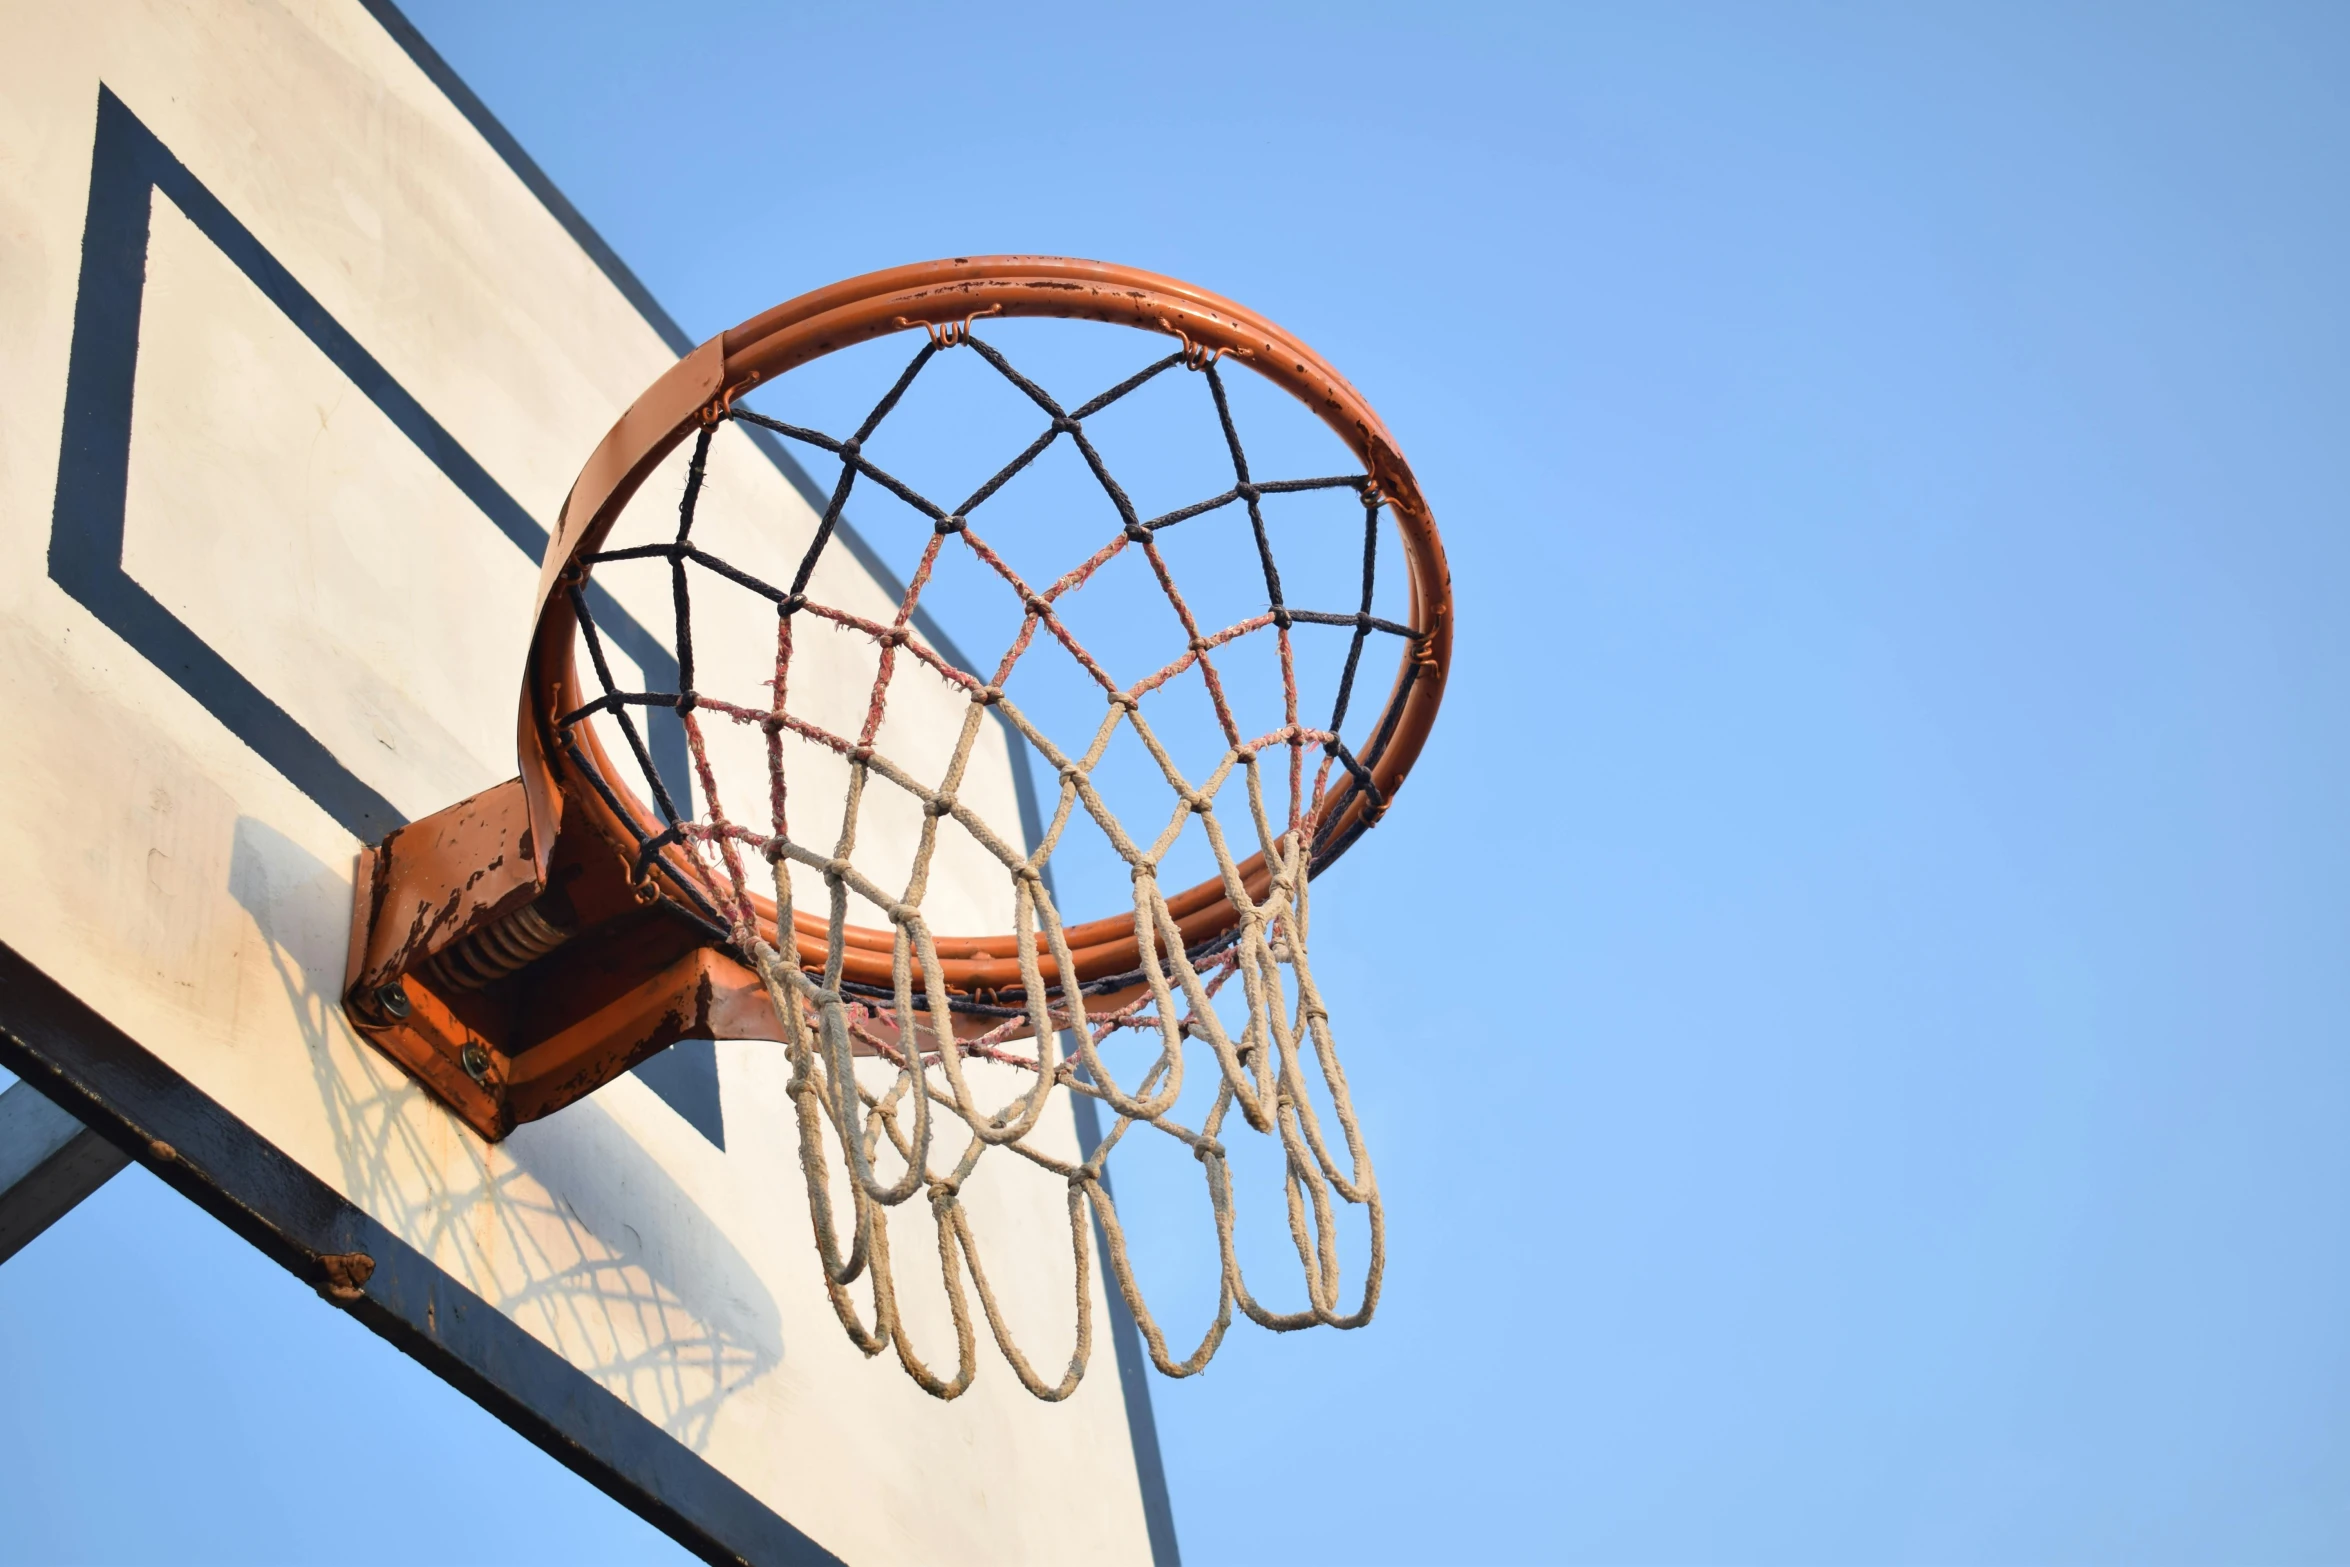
[570,1227]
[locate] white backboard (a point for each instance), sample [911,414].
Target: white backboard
[298,357]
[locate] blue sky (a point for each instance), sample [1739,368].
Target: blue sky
[1893,469]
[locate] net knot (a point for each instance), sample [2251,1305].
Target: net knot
[948,524]
[687,701]
[850,448]
[791,604]
[1207,1148]
[1247,491]
[1138,533]
[1281,617]
[1064,425]
[987,696]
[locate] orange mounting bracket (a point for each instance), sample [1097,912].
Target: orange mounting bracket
[508,992]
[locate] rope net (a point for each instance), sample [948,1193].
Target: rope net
[917,1126]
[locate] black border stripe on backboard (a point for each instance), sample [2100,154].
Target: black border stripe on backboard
[1126,1341]
[96,1072]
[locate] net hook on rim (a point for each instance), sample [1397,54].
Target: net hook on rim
[1198,356]
[950,334]
[721,407]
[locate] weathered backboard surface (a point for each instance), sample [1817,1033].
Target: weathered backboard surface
[298,355]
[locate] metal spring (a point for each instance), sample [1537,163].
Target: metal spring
[490,954]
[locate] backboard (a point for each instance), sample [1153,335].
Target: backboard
[298,356]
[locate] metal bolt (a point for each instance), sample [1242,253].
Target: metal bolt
[476,1062]
[393,998]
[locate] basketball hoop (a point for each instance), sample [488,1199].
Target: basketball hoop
[520,949]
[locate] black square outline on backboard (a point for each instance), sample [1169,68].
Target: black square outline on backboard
[129,166]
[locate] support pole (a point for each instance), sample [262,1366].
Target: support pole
[49,1162]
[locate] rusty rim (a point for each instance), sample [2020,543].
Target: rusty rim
[941,295]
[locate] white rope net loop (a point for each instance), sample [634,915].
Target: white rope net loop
[919,1125]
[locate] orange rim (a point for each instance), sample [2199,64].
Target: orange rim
[941,295]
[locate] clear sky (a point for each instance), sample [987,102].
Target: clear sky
[1852,1012]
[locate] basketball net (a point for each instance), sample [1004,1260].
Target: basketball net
[913,1125]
